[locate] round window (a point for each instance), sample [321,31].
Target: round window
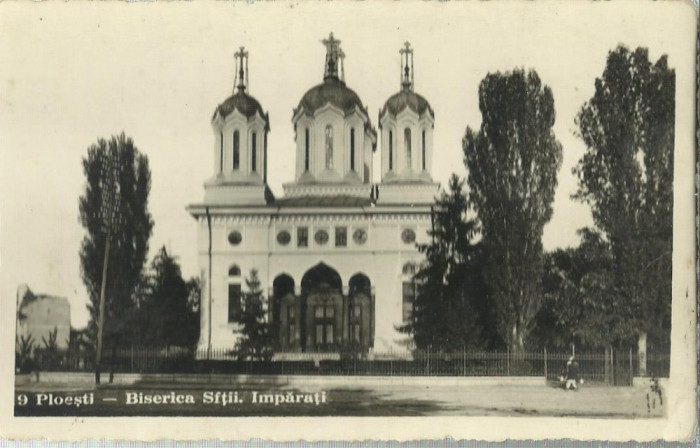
[234,238]
[408,236]
[321,237]
[283,237]
[359,236]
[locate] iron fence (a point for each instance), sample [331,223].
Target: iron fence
[610,367]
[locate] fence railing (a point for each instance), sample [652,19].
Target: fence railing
[606,367]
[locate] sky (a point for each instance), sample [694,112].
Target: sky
[73,72]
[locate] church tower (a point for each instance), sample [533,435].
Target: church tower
[406,122]
[240,129]
[334,136]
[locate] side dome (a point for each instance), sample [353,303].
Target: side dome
[333,91]
[407,98]
[243,103]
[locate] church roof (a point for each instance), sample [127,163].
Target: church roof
[333,91]
[324,201]
[407,98]
[244,103]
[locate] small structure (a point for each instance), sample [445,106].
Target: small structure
[39,315]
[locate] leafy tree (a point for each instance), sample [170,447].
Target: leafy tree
[626,176]
[444,316]
[255,340]
[129,245]
[579,305]
[512,163]
[165,317]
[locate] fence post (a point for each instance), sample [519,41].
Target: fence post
[612,365]
[464,361]
[508,361]
[428,365]
[545,363]
[132,357]
[631,371]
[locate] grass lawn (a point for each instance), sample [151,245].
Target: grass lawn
[46,399]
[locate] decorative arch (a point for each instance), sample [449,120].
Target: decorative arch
[233,286]
[360,315]
[234,271]
[409,269]
[283,284]
[286,311]
[320,275]
[360,283]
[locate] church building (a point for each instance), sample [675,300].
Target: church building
[336,253]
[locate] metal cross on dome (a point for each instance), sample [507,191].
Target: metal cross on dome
[334,58]
[406,72]
[242,79]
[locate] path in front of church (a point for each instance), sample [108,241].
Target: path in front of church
[593,401]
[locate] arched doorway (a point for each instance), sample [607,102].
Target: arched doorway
[322,309]
[285,313]
[360,316]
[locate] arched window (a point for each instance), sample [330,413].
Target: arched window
[407,146]
[409,269]
[234,293]
[329,146]
[391,150]
[236,150]
[221,152]
[423,150]
[234,271]
[352,149]
[306,149]
[254,153]
[409,290]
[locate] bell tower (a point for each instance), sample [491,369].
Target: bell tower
[240,128]
[406,122]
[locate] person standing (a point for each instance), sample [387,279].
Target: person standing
[572,374]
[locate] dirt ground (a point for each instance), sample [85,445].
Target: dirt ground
[588,401]
[593,401]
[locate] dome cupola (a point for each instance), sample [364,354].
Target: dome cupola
[406,122]
[240,129]
[334,136]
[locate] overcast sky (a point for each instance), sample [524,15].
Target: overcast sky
[73,72]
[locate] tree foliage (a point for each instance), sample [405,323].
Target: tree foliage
[512,163]
[165,316]
[255,341]
[578,305]
[626,176]
[444,315]
[129,245]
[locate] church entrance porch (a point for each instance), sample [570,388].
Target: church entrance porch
[322,316]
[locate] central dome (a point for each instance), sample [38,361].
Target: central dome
[333,91]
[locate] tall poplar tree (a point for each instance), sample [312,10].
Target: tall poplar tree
[129,246]
[512,163]
[626,176]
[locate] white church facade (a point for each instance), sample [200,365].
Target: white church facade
[336,253]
